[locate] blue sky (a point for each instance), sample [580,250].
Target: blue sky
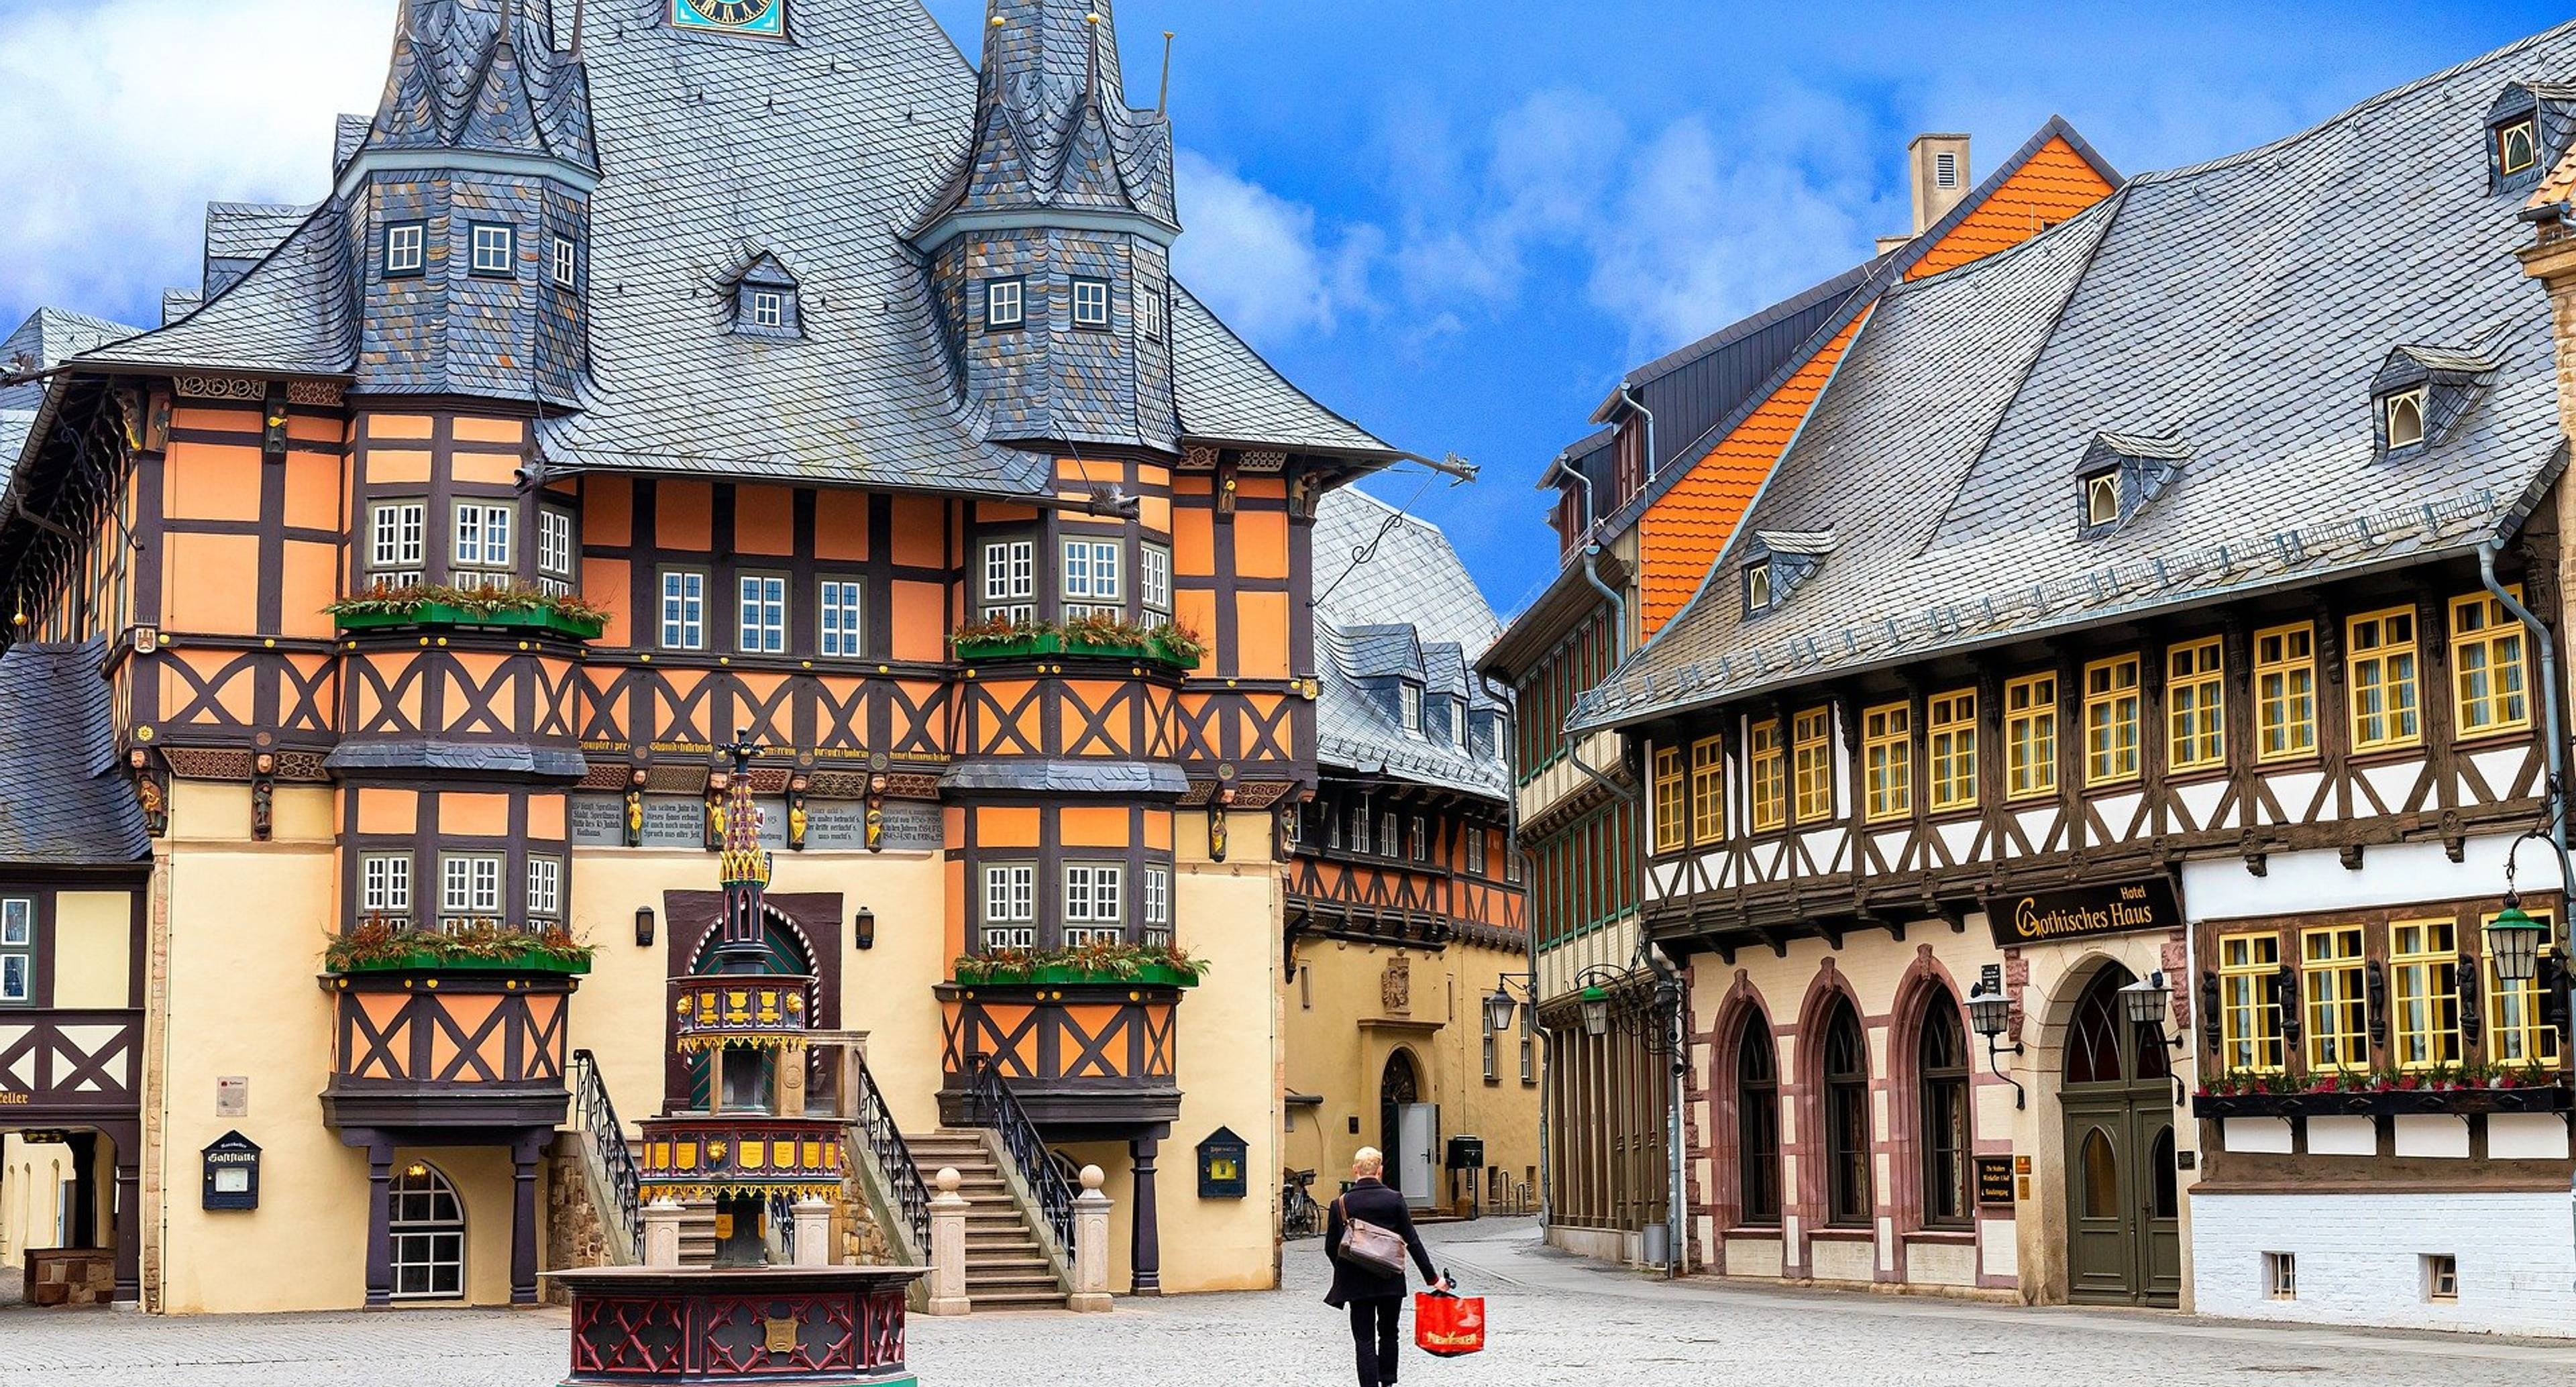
[1456,222]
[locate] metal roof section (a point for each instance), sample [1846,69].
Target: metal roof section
[66,805]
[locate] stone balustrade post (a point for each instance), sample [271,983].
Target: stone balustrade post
[813,1233]
[1090,1245]
[662,1233]
[948,1247]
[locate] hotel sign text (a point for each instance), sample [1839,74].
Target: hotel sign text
[2120,908]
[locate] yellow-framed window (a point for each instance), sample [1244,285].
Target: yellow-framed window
[2285,692]
[1887,760]
[2195,706]
[1708,790]
[2424,992]
[2112,708]
[1950,742]
[2249,1010]
[1768,764]
[2486,665]
[1811,748]
[2030,737]
[2333,996]
[2381,667]
[1672,801]
[2516,1034]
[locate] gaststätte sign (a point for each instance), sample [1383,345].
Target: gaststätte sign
[2041,917]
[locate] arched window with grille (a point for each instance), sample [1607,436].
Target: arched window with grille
[1757,1124]
[428,1227]
[1941,1064]
[1847,1187]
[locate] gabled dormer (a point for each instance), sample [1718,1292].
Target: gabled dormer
[1777,562]
[2420,392]
[766,300]
[2122,474]
[2528,130]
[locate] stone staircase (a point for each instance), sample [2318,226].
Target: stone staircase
[1007,1267]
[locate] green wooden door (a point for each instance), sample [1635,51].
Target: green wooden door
[2123,1214]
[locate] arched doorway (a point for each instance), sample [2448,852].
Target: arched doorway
[427,1222]
[2123,1207]
[1408,1130]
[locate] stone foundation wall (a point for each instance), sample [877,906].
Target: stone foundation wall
[575,1235]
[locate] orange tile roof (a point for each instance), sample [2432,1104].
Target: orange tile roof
[1682,533]
[2055,184]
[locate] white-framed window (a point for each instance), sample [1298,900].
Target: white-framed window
[428,1227]
[1757,586]
[684,610]
[763,630]
[1421,840]
[17,950]
[1095,903]
[768,308]
[545,888]
[2406,418]
[469,886]
[1091,582]
[554,550]
[1475,851]
[1362,841]
[1409,696]
[1005,303]
[838,603]
[482,536]
[1158,905]
[1153,310]
[1010,905]
[1390,834]
[2101,499]
[1332,830]
[406,249]
[567,263]
[384,886]
[2280,1276]
[1154,582]
[397,542]
[1091,303]
[1458,721]
[1011,581]
[496,247]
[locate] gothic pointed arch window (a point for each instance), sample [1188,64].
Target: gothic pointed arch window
[1757,1119]
[1846,1114]
[1941,1071]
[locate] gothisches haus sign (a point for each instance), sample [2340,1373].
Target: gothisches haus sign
[2041,917]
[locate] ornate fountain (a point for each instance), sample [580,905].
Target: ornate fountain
[747,1160]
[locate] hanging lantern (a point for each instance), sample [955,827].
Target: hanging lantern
[2146,1000]
[1989,1012]
[1596,1012]
[1498,1010]
[2513,942]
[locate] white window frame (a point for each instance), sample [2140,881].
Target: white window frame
[2100,488]
[1093,584]
[1010,916]
[684,609]
[1757,586]
[2420,400]
[1157,903]
[840,618]
[1095,903]
[432,1237]
[384,887]
[406,249]
[1475,851]
[398,542]
[567,262]
[554,550]
[1090,303]
[1458,721]
[1421,839]
[1155,311]
[1363,836]
[1390,834]
[545,888]
[1011,581]
[484,539]
[760,613]
[495,249]
[768,308]
[1006,303]
[469,886]
[1409,702]
[1154,580]
[17,951]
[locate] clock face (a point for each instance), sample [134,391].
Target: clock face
[731,16]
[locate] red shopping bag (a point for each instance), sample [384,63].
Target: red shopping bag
[1448,1326]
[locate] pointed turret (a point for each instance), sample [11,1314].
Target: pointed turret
[744,867]
[481,76]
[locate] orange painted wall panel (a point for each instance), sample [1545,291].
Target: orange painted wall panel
[608,582]
[313,492]
[1093,827]
[1194,542]
[474,816]
[241,421]
[2053,185]
[764,520]
[841,526]
[397,465]
[919,632]
[398,426]
[1261,635]
[1261,545]
[388,811]
[210,482]
[1158,829]
[484,469]
[1005,828]
[684,515]
[608,512]
[920,532]
[220,588]
[308,582]
[546,817]
[469,430]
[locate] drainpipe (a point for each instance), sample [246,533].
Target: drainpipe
[2551,721]
[1629,397]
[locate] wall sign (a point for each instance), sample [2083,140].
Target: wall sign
[1221,1163]
[2041,917]
[232,1173]
[232,1095]
[1994,1181]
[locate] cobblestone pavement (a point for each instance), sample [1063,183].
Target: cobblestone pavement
[1557,1321]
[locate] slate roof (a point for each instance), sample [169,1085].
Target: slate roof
[2209,303]
[1408,611]
[49,337]
[241,234]
[67,805]
[825,153]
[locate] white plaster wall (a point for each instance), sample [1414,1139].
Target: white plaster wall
[2359,1259]
[2220,888]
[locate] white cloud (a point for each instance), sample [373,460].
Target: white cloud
[127,116]
[1260,260]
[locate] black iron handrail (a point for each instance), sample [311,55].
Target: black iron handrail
[597,1117]
[991,1104]
[893,1155]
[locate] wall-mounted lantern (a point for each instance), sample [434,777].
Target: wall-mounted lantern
[863,928]
[643,927]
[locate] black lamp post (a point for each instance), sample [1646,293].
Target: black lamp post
[2145,1002]
[1990,1015]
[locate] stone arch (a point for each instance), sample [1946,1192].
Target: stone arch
[1743,1006]
[1926,982]
[1803,1090]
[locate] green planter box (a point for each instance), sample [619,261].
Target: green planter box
[426,962]
[1151,975]
[441,614]
[1047,644]
[1055,643]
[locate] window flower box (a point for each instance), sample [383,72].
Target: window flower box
[427,961]
[1169,646]
[518,608]
[2464,1099]
[1097,965]
[380,946]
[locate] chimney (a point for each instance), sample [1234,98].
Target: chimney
[1941,177]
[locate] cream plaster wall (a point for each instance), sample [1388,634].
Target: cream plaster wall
[1229,914]
[93,948]
[32,1176]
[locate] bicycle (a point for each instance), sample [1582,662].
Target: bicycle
[1300,1216]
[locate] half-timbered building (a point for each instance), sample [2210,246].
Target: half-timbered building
[2084,786]
[645,380]
[1641,507]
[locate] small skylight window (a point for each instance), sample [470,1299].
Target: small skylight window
[1757,586]
[2406,419]
[1945,169]
[2517,146]
[1005,303]
[2102,499]
[1091,303]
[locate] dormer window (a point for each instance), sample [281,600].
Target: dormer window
[2121,475]
[1409,697]
[767,301]
[495,249]
[2526,133]
[406,250]
[1778,561]
[768,308]
[2101,499]
[2406,419]
[1757,586]
[1091,303]
[2517,146]
[1005,304]
[1458,721]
